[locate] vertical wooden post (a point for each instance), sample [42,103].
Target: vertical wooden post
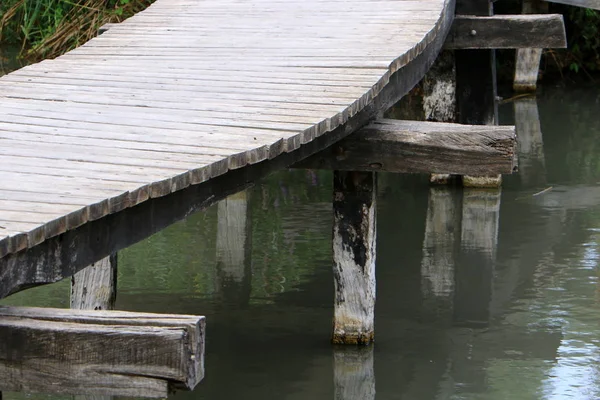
[233,246]
[95,287]
[530,146]
[353,373]
[475,269]
[528,60]
[476,85]
[442,237]
[354,235]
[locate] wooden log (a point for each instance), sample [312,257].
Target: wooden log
[354,237]
[475,268]
[95,287]
[507,32]
[353,373]
[594,4]
[439,90]
[530,146]
[528,60]
[233,247]
[109,353]
[442,238]
[421,147]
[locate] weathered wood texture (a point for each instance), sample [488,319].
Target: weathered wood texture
[595,4]
[528,60]
[187,91]
[421,147]
[99,352]
[95,287]
[353,373]
[507,32]
[88,229]
[354,239]
[439,89]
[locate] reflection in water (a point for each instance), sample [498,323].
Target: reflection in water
[472,303]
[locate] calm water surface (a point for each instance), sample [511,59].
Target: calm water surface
[503,306]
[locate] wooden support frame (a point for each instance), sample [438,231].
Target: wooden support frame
[507,32]
[421,147]
[111,353]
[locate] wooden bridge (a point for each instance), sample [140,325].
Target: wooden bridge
[190,101]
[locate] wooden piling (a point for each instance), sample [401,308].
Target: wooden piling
[95,287]
[528,60]
[354,236]
[353,373]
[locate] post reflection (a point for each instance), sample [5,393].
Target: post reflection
[353,373]
[530,143]
[233,248]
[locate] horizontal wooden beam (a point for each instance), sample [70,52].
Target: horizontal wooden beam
[99,352]
[507,32]
[595,4]
[421,147]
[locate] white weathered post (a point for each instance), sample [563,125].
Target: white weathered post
[528,60]
[354,236]
[353,373]
[95,287]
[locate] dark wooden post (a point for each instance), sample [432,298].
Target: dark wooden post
[95,287]
[476,89]
[528,60]
[354,235]
[353,373]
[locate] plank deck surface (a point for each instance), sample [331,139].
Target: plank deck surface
[186,91]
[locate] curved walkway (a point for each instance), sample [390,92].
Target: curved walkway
[186,91]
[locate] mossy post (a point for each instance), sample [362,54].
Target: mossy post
[354,236]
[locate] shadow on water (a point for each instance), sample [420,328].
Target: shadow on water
[481,294]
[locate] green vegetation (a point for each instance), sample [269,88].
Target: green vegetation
[48,28]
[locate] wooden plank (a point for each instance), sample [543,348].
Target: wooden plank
[594,4]
[421,147]
[99,352]
[507,32]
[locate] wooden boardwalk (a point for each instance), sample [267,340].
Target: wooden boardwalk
[189,93]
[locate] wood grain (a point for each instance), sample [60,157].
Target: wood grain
[187,91]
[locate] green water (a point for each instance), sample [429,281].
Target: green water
[518,322]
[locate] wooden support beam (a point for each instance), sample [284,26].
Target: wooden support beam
[99,352]
[354,238]
[507,32]
[95,287]
[421,147]
[594,4]
[353,373]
